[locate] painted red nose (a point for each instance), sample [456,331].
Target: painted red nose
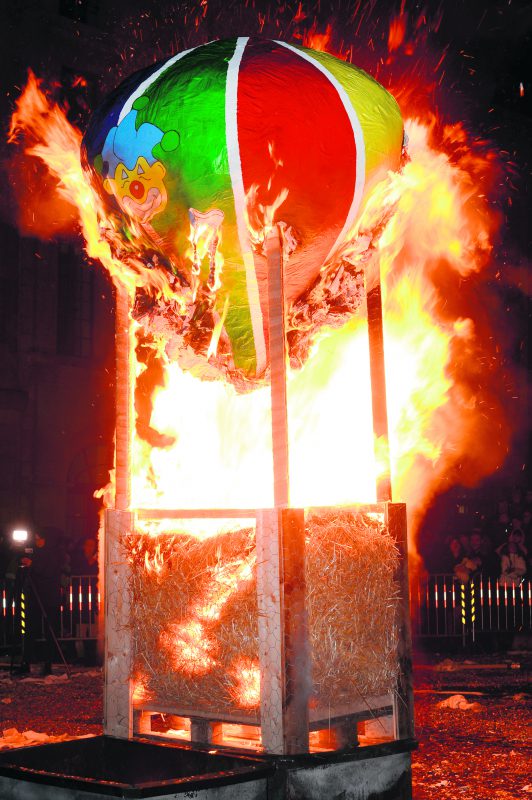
[136,189]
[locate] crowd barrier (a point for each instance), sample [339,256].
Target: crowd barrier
[442,606]
[75,617]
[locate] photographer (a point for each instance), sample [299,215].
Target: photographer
[31,581]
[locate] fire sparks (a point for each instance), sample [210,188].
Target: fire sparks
[397,31]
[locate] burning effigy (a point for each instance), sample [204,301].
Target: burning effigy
[255,204]
[200,155]
[239,193]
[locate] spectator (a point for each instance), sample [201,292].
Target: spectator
[476,550]
[499,529]
[464,541]
[477,558]
[513,565]
[517,537]
[454,555]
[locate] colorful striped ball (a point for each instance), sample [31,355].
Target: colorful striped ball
[215,132]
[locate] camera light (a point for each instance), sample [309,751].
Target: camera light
[20,535]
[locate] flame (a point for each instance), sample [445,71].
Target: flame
[246,691]
[221,456]
[190,647]
[427,227]
[215,449]
[191,643]
[140,687]
[227,580]
[155,564]
[205,239]
[57,143]
[318,41]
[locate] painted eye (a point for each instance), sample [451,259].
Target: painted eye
[124,175]
[140,171]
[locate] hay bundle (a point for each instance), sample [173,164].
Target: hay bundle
[351,603]
[195,617]
[191,625]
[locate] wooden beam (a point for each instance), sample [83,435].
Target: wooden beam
[123,401]
[196,513]
[297,663]
[283,631]
[118,707]
[404,697]
[378,389]
[269,579]
[277,348]
[201,730]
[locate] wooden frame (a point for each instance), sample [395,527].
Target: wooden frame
[285,718]
[284,654]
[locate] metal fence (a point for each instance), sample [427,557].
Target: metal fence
[442,606]
[76,618]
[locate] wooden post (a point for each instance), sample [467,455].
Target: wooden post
[283,631]
[297,670]
[269,578]
[404,696]
[118,714]
[378,385]
[283,628]
[124,412]
[277,344]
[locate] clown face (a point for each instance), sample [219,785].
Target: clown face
[140,192]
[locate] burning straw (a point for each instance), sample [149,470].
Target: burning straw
[195,615]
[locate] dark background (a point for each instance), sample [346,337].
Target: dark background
[56,312]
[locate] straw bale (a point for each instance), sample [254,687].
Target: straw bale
[168,597]
[352,606]
[351,602]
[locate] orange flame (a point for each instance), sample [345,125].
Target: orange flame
[431,219]
[259,214]
[53,140]
[191,649]
[227,580]
[318,41]
[246,674]
[397,31]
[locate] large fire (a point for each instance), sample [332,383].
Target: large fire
[217,442]
[212,447]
